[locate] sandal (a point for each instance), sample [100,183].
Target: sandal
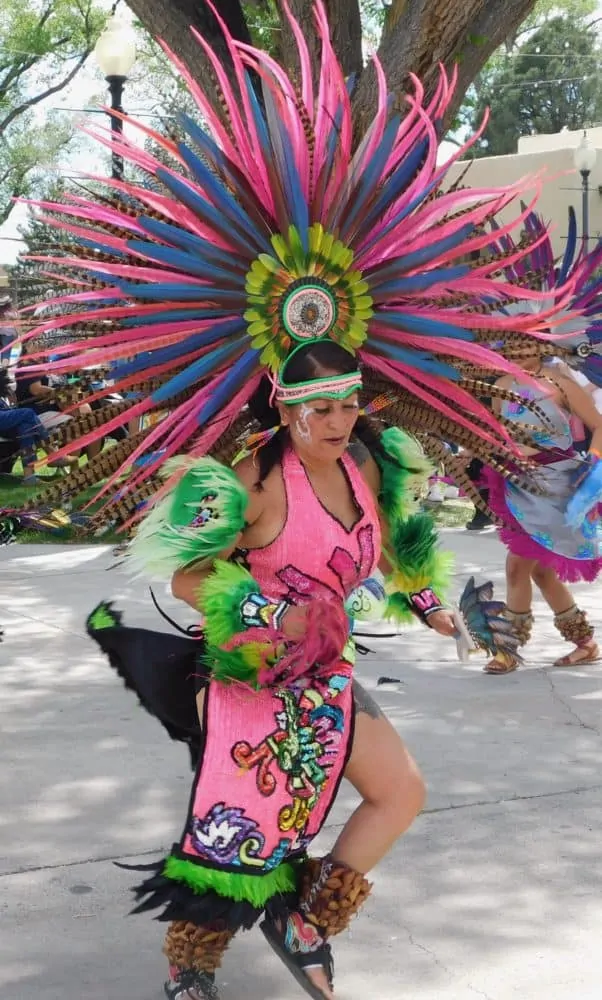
[191,985]
[573,659]
[298,961]
[501,663]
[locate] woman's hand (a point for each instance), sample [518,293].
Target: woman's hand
[294,622]
[442,622]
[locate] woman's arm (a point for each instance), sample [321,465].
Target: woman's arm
[186,582]
[440,620]
[40,391]
[582,405]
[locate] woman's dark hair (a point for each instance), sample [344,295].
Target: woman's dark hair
[307,363]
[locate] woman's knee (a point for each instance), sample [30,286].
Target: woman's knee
[542,574]
[517,570]
[387,776]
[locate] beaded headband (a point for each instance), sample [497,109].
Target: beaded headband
[328,387]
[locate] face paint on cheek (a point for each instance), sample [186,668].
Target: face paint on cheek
[301,424]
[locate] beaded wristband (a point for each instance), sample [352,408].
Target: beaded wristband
[425,603]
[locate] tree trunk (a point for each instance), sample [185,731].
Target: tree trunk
[418,35]
[421,34]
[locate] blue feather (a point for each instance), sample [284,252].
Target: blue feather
[258,115]
[158,292]
[288,173]
[421,257]
[173,316]
[414,359]
[205,210]
[98,245]
[400,178]
[162,355]
[422,324]
[369,178]
[202,139]
[240,370]
[178,237]
[417,283]
[221,197]
[197,370]
[182,261]
[569,250]
[399,217]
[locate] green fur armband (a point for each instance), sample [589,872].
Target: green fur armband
[417,564]
[198,519]
[412,548]
[231,602]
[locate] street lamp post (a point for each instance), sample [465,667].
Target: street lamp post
[115,53]
[585,161]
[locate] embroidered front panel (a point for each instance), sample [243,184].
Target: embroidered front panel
[293,755]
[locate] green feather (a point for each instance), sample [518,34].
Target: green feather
[398,609]
[102,617]
[254,889]
[169,539]
[221,595]
[404,471]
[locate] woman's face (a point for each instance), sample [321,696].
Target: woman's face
[321,429]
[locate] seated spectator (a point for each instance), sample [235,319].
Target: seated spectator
[8,330]
[20,431]
[39,393]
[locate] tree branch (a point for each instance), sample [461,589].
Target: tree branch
[32,101]
[420,34]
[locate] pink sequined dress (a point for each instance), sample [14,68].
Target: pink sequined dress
[272,760]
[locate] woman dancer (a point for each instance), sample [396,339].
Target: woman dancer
[543,549]
[311,535]
[267,242]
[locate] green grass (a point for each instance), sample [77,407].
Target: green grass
[450,513]
[13,495]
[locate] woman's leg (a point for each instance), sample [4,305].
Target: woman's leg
[571,622]
[384,773]
[519,595]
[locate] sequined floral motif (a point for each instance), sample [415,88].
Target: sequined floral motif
[224,833]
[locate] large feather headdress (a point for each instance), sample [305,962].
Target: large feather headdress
[577,332]
[272,224]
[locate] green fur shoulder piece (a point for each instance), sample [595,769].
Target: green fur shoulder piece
[198,519]
[404,470]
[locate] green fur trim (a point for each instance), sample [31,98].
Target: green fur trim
[416,558]
[398,610]
[173,535]
[254,889]
[404,471]
[221,595]
[102,617]
[241,664]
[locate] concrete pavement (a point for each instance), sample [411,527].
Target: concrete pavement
[494,893]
